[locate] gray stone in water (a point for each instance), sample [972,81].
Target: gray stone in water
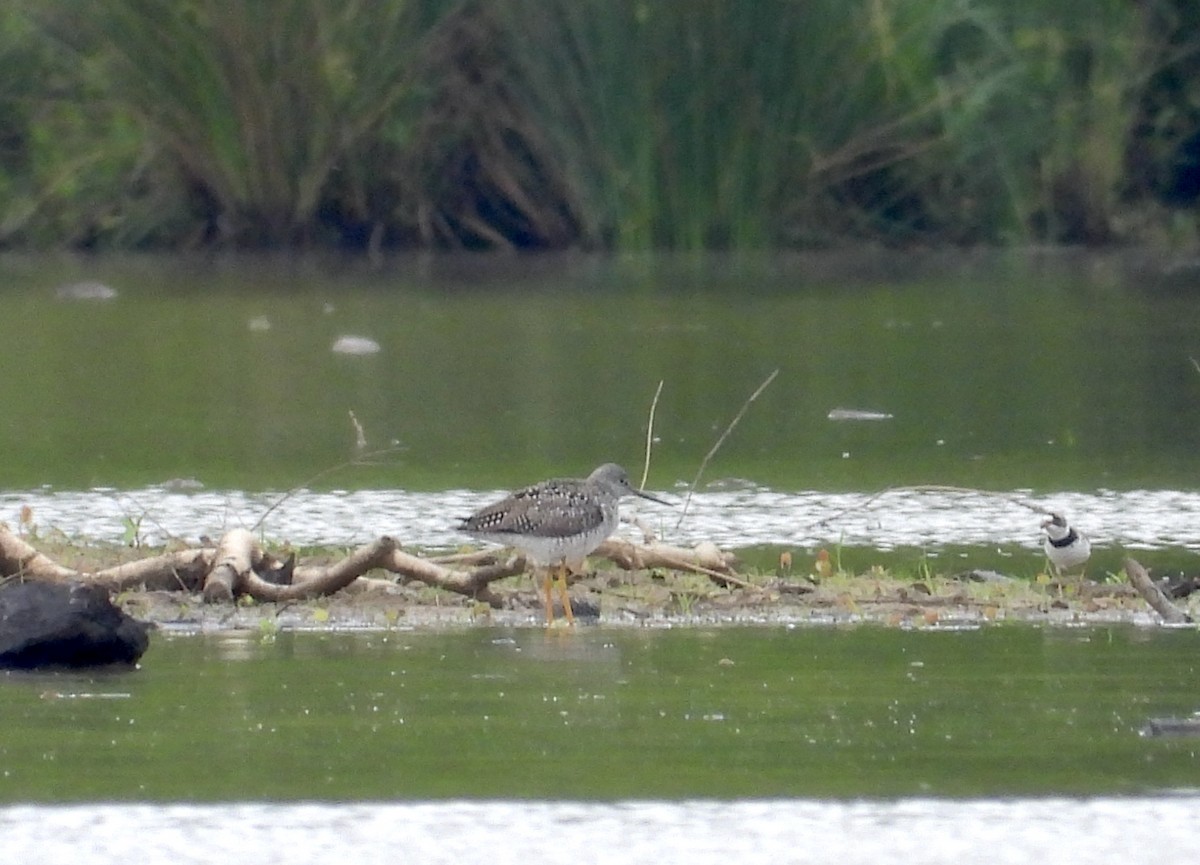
[66,625]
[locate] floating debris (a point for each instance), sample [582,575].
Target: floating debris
[1172,727]
[86,290]
[181,485]
[355,345]
[259,323]
[858,414]
[85,695]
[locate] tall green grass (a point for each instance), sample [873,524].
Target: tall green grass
[663,117]
[614,124]
[263,106]
[1054,139]
[702,123]
[478,174]
[57,156]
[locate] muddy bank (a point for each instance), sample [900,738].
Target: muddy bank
[643,600]
[631,585]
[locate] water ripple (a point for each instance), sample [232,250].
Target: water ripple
[1102,830]
[1136,519]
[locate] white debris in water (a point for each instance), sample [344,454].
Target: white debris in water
[259,323]
[858,414]
[86,290]
[357,345]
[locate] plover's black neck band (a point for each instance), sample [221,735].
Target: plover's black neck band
[1067,541]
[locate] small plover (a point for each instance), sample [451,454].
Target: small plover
[1065,547]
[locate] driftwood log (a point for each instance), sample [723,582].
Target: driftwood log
[1153,595]
[238,566]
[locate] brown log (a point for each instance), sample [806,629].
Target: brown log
[236,556]
[704,558]
[180,571]
[385,553]
[1153,595]
[635,557]
[223,573]
[473,583]
[19,559]
[312,582]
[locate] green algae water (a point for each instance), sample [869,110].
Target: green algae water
[610,714]
[849,744]
[495,371]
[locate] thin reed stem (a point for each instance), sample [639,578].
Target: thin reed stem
[650,434]
[720,441]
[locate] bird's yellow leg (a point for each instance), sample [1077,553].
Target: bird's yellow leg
[549,598]
[562,590]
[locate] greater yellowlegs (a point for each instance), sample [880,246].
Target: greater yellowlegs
[1065,547]
[556,523]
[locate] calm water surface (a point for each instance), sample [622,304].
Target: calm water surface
[494,371]
[611,714]
[858,745]
[607,745]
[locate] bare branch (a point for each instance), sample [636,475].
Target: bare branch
[720,441]
[19,559]
[1153,595]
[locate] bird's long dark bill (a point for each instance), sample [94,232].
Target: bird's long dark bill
[646,495]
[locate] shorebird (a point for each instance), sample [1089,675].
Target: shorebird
[1065,547]
[556,523]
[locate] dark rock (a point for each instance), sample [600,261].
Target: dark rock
[1179,586]
[983,575]
[66,625]
[277,572]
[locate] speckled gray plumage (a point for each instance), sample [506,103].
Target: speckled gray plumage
[557,519]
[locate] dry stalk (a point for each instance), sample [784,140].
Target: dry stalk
[650,434]
[720,441]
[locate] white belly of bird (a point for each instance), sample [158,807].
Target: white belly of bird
[1073,556]
[552,550]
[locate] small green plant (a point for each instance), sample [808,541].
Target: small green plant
[686,601]
[131,536]
[268,630]
[925,572]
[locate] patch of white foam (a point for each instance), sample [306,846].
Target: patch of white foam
[1136,520]
[1126,831]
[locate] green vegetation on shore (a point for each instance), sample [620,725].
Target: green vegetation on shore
[602,124]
